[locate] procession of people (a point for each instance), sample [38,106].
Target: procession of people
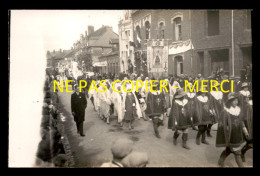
[185,110]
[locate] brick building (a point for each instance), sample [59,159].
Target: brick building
[91,46]
[110,62]
[191,41]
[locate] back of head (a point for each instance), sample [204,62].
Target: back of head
[135,159]
[121,148]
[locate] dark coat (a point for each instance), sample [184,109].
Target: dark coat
[230,130]
[78,106]
[130,113]
[155,104]
[248,120]
[201,113]
[182,117]
[218,106]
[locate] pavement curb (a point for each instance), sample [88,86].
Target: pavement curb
[65,142]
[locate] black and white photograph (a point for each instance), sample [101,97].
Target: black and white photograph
[130,88]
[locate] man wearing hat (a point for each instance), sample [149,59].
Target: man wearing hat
[78,106]
[202,115]
[216,105]
[120,149]
[231,130]
[180,118]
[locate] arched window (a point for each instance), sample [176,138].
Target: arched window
[138,35]
[147,30]
[177,22]
[161,30]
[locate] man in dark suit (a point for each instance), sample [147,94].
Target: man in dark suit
[78,106]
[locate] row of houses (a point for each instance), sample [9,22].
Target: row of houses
[95,51]
[167,42]
[174,42]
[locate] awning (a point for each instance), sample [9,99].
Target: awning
[100,64]
[181,47]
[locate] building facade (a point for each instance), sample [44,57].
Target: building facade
[110,63]
[126,35]
[91,46]
[174,42]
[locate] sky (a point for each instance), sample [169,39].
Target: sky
[61,28]
[32,33]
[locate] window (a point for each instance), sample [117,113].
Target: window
[138,36]
[161,30]
[147,30]
[177,28]
[213,22]
[138,31]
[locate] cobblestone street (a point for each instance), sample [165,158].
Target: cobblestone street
[94,149]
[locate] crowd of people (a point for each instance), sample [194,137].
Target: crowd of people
[50,152]
[232,111]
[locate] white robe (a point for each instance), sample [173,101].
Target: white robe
[117,99]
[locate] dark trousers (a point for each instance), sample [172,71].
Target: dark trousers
[79,127]
[226,153]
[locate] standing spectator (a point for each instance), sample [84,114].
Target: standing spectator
[78,106]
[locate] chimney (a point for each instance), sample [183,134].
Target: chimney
[60,50]
[90,29]
[86,33]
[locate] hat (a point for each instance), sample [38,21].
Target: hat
[214,84]
[180,93]
[135,159]
[244,84]
[231,96]
[121,147]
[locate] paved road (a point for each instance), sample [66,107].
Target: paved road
[94,149]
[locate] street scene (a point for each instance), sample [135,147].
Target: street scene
[128,97]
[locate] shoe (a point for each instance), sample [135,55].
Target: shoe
[157,135]
[205,142]
[203,139]
[243,158]
[184,145]
[82,135]
[208,134]
[174,141]
[175,136]
[198,141]
[184,141]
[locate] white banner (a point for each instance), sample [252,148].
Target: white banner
[180,47]
[100,64]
